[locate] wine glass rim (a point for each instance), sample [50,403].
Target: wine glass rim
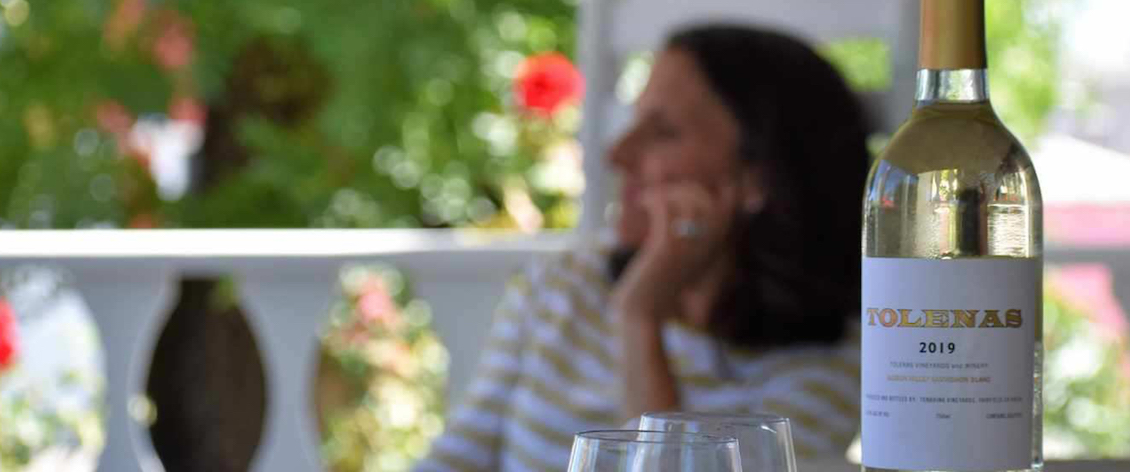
[660,437]
[747,419]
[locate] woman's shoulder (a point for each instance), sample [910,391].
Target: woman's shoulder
[567,287]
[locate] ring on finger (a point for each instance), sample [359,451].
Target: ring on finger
[687,229]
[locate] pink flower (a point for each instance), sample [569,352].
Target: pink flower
[9,340]
[188,109]
[356,334]
[123,22]
[113,117]
[1091,287]
[143,221]
[372,283]
[546,82]
[375,305]
[174,46]
[400,360]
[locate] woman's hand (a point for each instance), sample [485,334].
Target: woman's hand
[689,225]
[688,228]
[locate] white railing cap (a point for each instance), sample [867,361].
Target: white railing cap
[251,243]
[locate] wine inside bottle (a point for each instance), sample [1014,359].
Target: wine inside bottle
[952,273]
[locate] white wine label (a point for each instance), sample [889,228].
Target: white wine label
[948,362]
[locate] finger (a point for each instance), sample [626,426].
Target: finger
[674,205]
[654,202]
[713,209]
[654,170]
[690,200]
[688,209]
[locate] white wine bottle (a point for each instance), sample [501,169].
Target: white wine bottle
[952,273]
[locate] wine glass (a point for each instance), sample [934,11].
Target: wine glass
[653,451]
[765,441]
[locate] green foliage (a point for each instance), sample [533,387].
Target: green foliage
[1023,63]
[1086,386]
[48,405]
[33,424]
[1023,40]
[319,104]
[44,172]
[864,62]
[392,113]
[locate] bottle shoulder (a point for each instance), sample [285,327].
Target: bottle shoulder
[968,136]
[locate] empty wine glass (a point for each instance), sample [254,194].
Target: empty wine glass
[765,441]
[653,451]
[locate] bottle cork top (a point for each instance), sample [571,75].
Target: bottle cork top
[953,35]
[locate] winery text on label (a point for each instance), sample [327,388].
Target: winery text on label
[907,318]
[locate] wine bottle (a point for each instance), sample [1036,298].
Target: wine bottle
[952,273]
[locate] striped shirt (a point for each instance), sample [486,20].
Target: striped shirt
[549,370]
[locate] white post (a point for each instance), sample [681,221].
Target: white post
[287,309]
[903,43]
[600,66]
[127,305]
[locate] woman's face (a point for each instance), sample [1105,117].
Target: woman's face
[683,132]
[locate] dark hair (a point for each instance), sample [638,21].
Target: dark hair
[798,260]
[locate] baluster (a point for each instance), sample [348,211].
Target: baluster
[127,301]
[287,306]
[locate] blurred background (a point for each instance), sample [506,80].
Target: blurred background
[437,114]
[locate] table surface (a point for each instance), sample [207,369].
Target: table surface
[1051,466]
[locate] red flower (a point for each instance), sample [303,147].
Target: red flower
[9,342]
[546,82]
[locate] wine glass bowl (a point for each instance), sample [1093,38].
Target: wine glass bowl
[765,441]
[653,451]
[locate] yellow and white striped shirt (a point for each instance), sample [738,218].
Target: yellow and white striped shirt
[549,371]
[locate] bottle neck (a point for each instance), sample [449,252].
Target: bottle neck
[951,54]
[952,86]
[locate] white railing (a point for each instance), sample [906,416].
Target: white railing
[286,281]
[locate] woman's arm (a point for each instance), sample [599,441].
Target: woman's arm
[648,384]
[666,275]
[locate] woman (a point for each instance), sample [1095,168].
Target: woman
[731,282]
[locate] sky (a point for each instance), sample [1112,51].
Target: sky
[1097,37]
